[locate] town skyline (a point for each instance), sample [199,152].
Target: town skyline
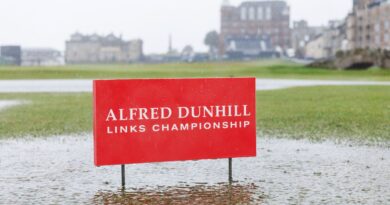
[52,25]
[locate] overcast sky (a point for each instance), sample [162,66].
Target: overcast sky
[48,23]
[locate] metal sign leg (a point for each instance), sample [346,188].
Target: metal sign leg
[230,171]
[123,176]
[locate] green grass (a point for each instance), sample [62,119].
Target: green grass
[361,113]
[46,115]
[260,69]
[355,112]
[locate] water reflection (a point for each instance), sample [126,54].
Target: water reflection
[185,194]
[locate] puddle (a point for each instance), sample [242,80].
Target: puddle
[275,84]
[4,104]
[60,170]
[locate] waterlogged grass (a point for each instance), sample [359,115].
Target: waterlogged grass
[46,115]
[260,69]
[356,112]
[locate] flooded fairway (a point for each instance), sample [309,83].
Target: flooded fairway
[69,86]
[60,170]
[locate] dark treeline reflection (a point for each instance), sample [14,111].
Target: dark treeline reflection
[185,194]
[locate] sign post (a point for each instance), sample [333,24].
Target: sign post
[123,176]
[161,120]
[230,171]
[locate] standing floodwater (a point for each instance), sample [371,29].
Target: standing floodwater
[60,170]
[68,86]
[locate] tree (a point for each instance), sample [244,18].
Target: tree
[187,53]
[187,50]
[212,39]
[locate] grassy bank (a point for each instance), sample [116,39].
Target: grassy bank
[260,69]
[361,113]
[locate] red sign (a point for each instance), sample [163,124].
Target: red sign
[158,120]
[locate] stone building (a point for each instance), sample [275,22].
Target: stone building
[301,35]
[332,39]
[369,24]
[102,49]
[315,49]
[254,27]
[366,27]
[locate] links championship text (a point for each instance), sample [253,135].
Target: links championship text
[185,118]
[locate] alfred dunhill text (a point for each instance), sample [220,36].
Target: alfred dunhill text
[213,117]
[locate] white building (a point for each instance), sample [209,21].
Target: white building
[41,57]
[102,49]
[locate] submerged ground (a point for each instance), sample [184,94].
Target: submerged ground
[60,170]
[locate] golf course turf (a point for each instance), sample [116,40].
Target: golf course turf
[261,69]
[360,113]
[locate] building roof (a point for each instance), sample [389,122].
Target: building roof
[95,37]
[108,40]
[270,2]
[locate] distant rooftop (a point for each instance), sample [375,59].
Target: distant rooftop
[95,37]
[375,3]
[254,2]
[226,3]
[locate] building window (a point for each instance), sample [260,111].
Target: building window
[243,13]
[387,25]
[377,39]
[268,13]
[286,11]
[387,38]
[252,13]
[260,13]
[377,28]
